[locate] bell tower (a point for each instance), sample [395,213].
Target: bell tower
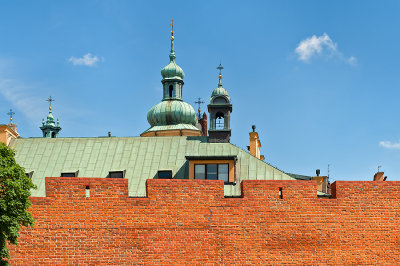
[50,128]
[220,109]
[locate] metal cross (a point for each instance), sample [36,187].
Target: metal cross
[50,100]
[172,27]
[199,102]
[220,67]
[11,113]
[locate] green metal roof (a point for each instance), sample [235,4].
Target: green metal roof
[301,177]
[141,157]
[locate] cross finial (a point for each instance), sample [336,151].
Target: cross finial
[172,29]
[11,113]
[220,67]
[50,100]
[199,102]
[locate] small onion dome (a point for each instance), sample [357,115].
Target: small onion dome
[171,113]
[172,70]
[50,119]
[220,91]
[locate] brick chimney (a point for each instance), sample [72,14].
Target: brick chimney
[379,176]
[323,184]
[203,124]
[255,144]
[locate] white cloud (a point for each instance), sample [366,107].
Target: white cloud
[322,45]
[352,60]
[389,144]
[87,60]
[22,98]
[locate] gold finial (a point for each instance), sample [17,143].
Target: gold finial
[172,29]
[220,67]
[50,100]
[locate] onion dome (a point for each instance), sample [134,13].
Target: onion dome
[172,116]
[172,70]
[171,113]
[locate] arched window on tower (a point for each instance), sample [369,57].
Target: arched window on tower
[220,121]
[171,89]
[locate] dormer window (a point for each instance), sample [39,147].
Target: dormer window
[212,168]
[164,174]
[116,174]
[70,174]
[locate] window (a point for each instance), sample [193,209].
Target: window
[223,172]
[72,174]
[116,174]
[165,174]
[212,172]
[171,89]
[53,134]
[221,167]
[220,121]
[199,171]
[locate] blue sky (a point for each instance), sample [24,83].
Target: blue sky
[319,79]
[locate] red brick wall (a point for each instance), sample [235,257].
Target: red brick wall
[190,221]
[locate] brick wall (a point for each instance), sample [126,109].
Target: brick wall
[190,221]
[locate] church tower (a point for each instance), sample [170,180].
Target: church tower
[172,116]
[220,109]
[50,128]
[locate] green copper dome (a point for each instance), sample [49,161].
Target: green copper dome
[50,128]
[171,113]
[50,120]
[220,91]
[172,70]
